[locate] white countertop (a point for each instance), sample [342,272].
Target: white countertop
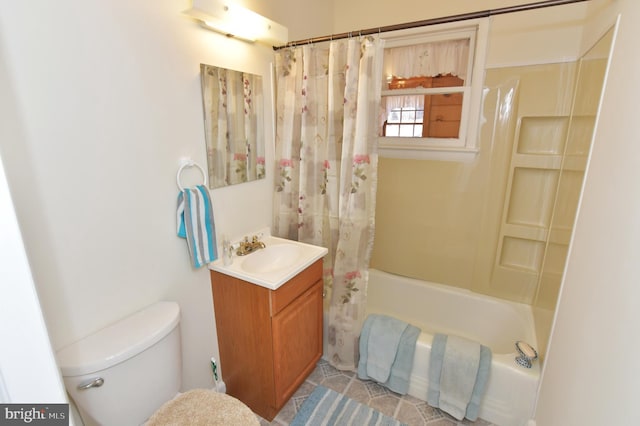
[272,266]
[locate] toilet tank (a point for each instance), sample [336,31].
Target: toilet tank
[123,373]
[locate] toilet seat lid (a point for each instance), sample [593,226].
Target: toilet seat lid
[203,407]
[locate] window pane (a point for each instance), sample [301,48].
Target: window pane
[440,114]
[408,116]
[392,130]
[443,114]
[406,131]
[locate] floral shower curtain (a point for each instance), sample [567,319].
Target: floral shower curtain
[327,105]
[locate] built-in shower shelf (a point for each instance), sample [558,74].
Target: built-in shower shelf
[522,254]
[528,232]
[531,193]
[542,135]
[550,162]
[532,185]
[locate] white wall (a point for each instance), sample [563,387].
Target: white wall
[108,99]
[28,372]
[591,375]
[303,18]
[538,36]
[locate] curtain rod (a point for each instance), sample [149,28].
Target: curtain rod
[433,21]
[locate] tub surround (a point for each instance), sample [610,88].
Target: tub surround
[467,228]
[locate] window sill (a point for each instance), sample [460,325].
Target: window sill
[457,154]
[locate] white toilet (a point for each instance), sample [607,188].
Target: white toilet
[122,374]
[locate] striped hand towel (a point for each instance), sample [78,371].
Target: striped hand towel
[195,224]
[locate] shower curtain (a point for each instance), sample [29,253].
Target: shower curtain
[327,105]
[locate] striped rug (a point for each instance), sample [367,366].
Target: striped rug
[327,407]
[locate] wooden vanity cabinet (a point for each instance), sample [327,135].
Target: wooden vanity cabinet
[270,340]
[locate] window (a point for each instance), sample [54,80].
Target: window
[432,92]
[404,122]
[443,112]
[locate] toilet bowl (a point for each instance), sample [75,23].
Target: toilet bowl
[131,370]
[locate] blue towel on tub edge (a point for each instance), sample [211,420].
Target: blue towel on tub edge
[458,399]
[400,354]
[195,224]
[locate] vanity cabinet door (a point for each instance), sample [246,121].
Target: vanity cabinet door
[297,341]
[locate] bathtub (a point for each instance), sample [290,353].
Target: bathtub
[511,391]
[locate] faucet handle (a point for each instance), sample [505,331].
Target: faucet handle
[256,243]
[527,354]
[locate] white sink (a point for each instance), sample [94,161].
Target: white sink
[272,258]
[274,265]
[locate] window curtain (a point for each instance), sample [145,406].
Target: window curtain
[428,59]
[327,104]
[232,100]
[409,101]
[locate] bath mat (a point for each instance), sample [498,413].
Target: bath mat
[327,407]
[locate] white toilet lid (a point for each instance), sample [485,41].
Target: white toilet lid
[203,406]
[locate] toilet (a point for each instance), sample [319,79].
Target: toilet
[131,371]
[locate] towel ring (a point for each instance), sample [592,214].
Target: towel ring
[190,163]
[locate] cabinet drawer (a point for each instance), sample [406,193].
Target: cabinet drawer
[295,287]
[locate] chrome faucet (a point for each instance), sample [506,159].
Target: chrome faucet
[527,354]
[247,247]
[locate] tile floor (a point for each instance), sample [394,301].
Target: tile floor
[406,409]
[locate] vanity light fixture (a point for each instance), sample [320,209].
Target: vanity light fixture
[233,20]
